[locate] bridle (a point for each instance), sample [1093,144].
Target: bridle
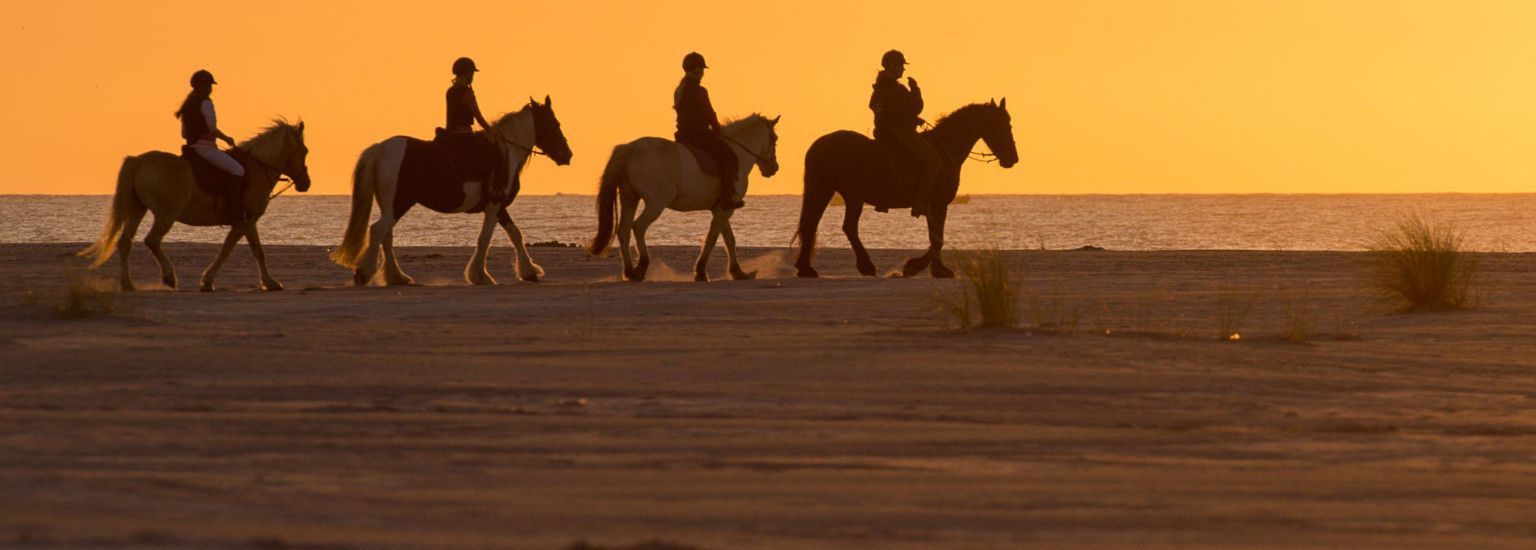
[279,171]
[755,156]
[529,150]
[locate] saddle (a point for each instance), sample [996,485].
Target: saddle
[226,189]
[209,178]
[470,156]
[707,162]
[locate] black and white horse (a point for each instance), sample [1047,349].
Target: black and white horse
[401,172]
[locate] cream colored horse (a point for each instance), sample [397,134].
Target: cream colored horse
[161,182]
[666,175]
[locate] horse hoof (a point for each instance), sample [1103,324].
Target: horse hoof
[700,277]
[633,276]
[530,278]
[739,275]
[941,271]
[868,271]
[274,287]
[128,287]
[806,272]
[358,279]
[914,266]
[207,287]
[405,281]
[169,283]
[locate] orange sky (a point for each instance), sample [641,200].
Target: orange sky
[1133,96]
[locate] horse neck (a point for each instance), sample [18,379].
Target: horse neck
[956,136]
[265,151]
[520,126]
[748,135]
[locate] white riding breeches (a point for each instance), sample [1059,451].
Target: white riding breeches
[211,153]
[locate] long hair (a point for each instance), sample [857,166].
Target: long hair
[194,100]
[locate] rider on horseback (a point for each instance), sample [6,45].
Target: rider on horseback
[897,111]
[698,126]
[200,127]
[474,156]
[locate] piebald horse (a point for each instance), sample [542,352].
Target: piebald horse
[398,174]
[162,183]
[666,175]
[849,164]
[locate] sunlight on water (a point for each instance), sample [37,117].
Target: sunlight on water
[1505,223]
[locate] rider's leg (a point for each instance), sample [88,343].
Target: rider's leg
[729,167]
[234,194]
[928,169]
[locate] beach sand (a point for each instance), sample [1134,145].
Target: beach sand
[776,413]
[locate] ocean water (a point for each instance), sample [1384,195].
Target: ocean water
[1500,223]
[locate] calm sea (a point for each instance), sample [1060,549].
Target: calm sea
[1504,223]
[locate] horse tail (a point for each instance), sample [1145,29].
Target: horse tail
[356,237]
[124,200]
[607,194]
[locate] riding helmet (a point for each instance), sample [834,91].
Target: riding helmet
[203,78]
[893,59]
[464,65]
[694,60]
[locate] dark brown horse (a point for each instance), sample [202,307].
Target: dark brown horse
[854,166]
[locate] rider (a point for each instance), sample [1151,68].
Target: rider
[476,156]
[897,111]
[200,127]
[697,126]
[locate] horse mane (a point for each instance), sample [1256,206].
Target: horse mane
[507,117]
[274,127]
[734,121]
[965,112]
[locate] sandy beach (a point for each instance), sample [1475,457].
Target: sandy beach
[775,413]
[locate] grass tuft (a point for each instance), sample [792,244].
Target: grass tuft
[1422,265]
[988,293]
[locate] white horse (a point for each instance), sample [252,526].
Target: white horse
[401,172]
[666,175]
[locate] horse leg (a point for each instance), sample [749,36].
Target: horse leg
[851,215]
[642,223]
[125,243]
[393,275]
[152,242]
[936,243]
[812,206]
[475,272]
[368,264]
[213,269]
[737,274]
[253,238]
[701,266]
[526,269]
[626,227]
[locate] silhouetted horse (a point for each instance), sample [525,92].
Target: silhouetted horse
[401,172]
[162,183]
[665,175]
[854,166]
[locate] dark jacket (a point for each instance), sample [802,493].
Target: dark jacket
[463,109]
[695,115]
[194,126]
[896,108]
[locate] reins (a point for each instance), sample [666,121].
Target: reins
[743,147]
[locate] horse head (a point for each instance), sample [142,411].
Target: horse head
[748,132]
[281,147]
[547,135]
[997,133]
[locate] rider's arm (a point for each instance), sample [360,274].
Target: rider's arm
[474,107]
[709,110]
[213,122]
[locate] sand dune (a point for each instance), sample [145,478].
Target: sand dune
[776,413]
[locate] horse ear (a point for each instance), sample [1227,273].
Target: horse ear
[301,126]
[532,101]
[992,101]
[547,102]
[1003,103]
[775,121]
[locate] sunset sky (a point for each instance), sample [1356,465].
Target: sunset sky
[1133,96]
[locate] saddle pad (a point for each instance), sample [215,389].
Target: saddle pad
[209,178]
[707,162]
